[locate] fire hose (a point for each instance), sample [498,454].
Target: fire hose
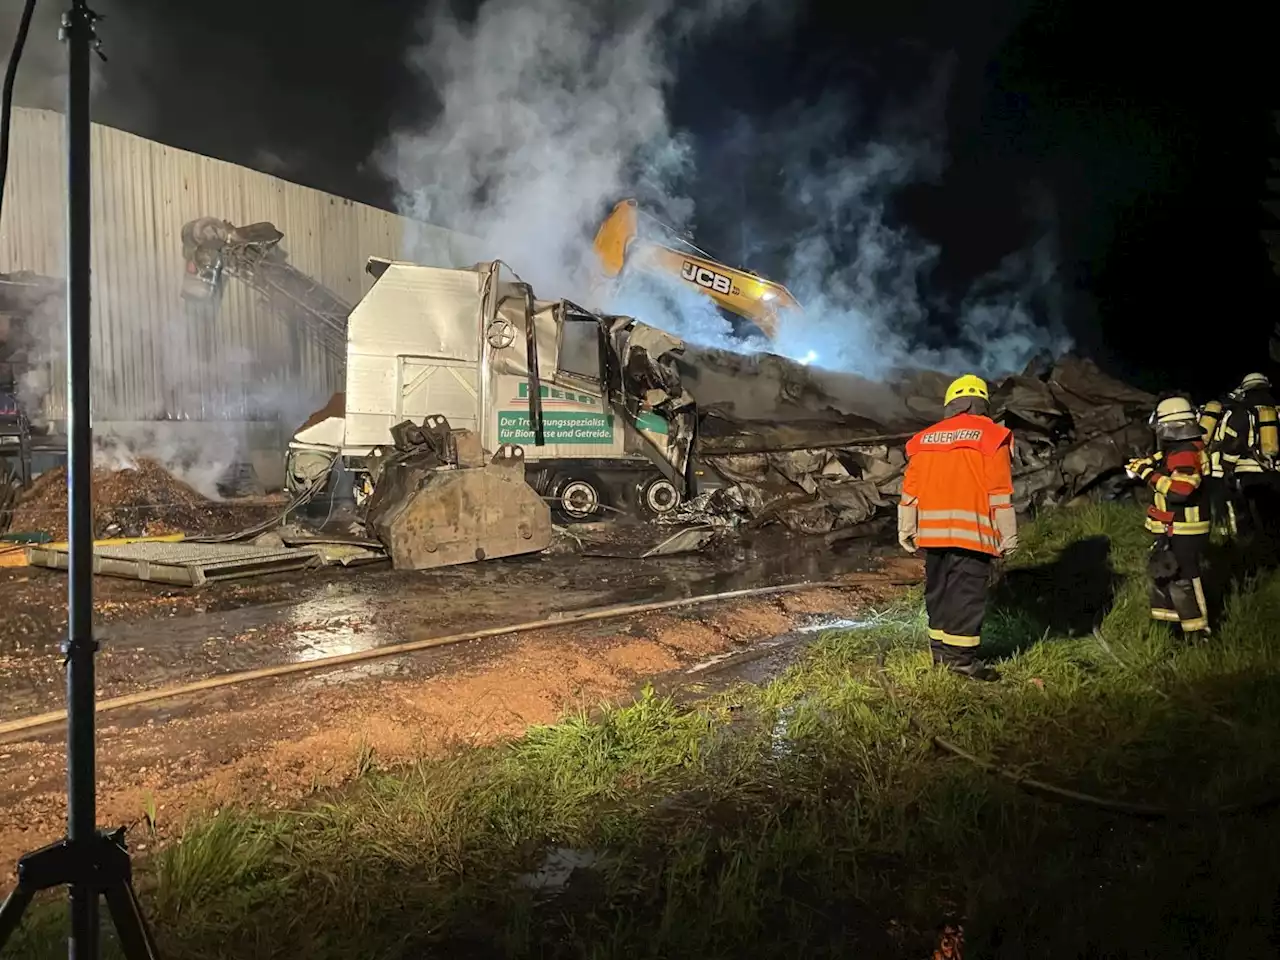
[360,656]
[1032,785]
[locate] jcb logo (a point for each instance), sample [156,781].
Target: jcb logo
[706,278]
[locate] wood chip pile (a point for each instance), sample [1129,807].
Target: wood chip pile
[143,501]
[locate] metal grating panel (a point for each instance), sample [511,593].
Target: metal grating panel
[185,564]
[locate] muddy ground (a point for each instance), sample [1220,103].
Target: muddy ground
[276,741]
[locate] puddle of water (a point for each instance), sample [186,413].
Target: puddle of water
[331,624]
[789,638]
[557,867]
[823,625]
[780,744]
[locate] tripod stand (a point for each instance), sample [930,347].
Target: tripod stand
[91,863]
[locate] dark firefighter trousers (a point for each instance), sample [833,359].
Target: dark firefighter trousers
[1177,595]
[955,596]
[1259,497]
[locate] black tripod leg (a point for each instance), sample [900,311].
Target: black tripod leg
[131,925]
[15,905]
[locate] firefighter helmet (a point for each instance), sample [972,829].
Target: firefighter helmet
[967,386]
[1174,418]
[1252,381]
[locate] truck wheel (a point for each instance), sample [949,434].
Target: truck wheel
[657,496]
[575,498]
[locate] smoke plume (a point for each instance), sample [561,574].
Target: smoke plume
[547,112]
[195,423]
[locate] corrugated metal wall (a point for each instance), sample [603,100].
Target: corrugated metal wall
[155,357]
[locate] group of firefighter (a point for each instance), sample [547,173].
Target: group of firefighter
[1213,469]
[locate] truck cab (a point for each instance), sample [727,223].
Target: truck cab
[575,389]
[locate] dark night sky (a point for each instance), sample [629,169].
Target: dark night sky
[1152,135]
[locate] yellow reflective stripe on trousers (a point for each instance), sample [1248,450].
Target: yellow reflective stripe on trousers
[1180,527]
[1170,616]
[1198,587]
[953,640]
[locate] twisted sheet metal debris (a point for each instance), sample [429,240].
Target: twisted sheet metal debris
[817,451]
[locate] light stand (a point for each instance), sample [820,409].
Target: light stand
[91,863]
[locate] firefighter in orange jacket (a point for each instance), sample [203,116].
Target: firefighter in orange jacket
[1179,516]
[957,505]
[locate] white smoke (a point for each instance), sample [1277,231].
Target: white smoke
[551,110]
[207,390]
[42,72]
[196,425]
[864,280]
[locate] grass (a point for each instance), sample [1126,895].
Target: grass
[807,816]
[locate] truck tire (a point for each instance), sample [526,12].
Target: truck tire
[656,497]
[576,498]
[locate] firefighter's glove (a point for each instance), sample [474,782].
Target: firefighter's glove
[1006,524]
[907,526]
[1140,468]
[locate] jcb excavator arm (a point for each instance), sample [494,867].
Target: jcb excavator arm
[620,249]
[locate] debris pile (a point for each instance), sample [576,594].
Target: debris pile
[144,500]
[817,452]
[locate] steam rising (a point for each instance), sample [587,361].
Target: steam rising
[162,431]
[195,426]
[550,111]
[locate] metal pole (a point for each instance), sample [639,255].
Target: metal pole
[82,828]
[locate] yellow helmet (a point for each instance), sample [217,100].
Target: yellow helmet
[1174,418]
[1173,410]
[967,386]
[1252,381]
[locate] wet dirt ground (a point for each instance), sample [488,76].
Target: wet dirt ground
[275,741]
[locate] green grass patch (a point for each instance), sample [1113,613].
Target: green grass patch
[807,816]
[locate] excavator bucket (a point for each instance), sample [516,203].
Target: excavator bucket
[615,235]
[428,514]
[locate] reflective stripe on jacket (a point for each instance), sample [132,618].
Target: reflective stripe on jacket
[1175,476]
[958,474]
[1245,438]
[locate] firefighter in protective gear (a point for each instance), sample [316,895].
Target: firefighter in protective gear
[1243,450]
[957,506]
[1178,516]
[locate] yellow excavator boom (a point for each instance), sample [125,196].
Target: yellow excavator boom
[619,248]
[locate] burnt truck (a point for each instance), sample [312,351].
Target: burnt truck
[457,377]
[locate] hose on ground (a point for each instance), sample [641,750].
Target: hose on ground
[1144,811]
[27,724]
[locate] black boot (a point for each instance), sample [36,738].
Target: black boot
[975,669]
[963,664]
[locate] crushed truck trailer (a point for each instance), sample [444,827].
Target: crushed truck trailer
[472,410]
[574,396]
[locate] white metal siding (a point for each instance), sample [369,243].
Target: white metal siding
[153,357]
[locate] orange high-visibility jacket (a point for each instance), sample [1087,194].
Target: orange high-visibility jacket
[958,474]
